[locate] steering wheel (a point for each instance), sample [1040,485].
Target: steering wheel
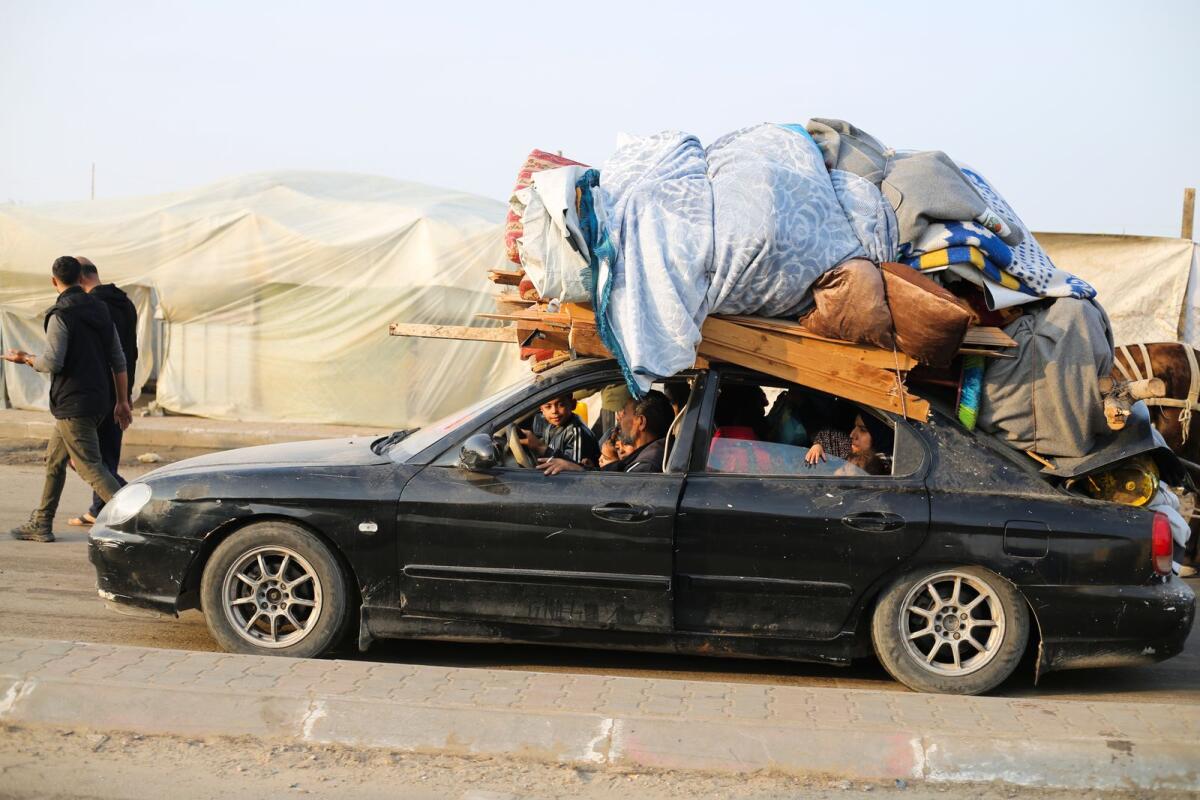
[519,452]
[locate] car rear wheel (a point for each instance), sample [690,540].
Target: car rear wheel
[959,630]
[274,589]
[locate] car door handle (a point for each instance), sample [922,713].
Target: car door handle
[874,521]
[623,512]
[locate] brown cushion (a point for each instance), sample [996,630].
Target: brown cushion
[930,321]
[849,304]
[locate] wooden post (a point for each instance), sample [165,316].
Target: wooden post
[1189,213]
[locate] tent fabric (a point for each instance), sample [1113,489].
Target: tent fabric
[1149,286]
[275,292]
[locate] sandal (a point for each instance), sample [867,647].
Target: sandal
[84,520]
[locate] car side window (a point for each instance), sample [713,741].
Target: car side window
[776,428]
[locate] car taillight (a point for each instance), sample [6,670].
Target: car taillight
[1161,544]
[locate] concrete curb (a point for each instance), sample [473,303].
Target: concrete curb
[167,432]
[88,692]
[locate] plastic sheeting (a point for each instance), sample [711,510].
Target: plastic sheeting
[275,292]
[1150,286]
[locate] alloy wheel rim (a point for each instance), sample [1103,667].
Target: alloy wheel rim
[952,623]
[272,597]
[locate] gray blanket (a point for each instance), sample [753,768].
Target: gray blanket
[1048,399]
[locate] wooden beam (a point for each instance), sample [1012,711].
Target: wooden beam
[911,407]
[982,336]
[981,351]
[511,303]
[836,348]
[784,357]
[507,333]
[550,363]
[985,336]
[1189,213]
[506,277]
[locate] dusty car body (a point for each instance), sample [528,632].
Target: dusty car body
[774,566]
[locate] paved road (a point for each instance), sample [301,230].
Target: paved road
[48,591]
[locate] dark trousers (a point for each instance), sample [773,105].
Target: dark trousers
[109,433]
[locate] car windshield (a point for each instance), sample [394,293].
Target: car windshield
[421,438]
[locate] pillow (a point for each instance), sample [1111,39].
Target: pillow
[849,304]
[930,321]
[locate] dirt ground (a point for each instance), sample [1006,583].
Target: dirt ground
[54,763]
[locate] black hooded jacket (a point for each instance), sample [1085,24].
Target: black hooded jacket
[83,387]
[124,316]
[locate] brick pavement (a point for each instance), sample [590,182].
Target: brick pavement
[609,721]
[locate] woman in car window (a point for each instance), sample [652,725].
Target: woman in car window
[871,445]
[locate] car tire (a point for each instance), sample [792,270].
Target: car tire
[273,588]
[952,630]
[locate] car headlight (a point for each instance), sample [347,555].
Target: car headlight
[124,504]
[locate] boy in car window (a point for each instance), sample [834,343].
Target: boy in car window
[558,432]
[643,426]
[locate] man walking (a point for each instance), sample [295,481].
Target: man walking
[83,357]
[124,317]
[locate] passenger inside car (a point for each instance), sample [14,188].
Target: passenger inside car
[871,442]
[557,432]
[740,427]
[612,400]
[643,427]
[844,441]
[833,420]
[786,419]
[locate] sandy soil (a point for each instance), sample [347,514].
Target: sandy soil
[48,763]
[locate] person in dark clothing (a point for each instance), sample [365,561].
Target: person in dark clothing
[644,427]
[558,432]
[84,359]
[124,317]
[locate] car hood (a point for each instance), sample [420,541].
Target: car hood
[323,452]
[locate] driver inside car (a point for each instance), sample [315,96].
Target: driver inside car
[644,426]
[557,432]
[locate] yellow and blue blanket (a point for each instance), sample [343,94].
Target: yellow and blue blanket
[975,257]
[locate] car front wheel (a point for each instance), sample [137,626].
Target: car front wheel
[959,630]
[274,589]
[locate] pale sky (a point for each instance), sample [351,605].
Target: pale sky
[1085,115]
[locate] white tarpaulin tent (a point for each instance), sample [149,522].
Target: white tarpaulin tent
[275,292]
[1150,286]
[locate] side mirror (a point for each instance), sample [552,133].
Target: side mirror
[478,453]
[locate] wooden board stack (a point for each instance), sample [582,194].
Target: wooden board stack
[778,347]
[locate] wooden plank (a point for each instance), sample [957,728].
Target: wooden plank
[987,336]
[911,407]
[584,340]
[981,336]
[506,277]
[972,351]
[787,358]
[790,350]
[511,303]
[864,353]
[550,363]
[557,319]
[507,333]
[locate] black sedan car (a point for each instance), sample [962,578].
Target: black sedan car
[949,567]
